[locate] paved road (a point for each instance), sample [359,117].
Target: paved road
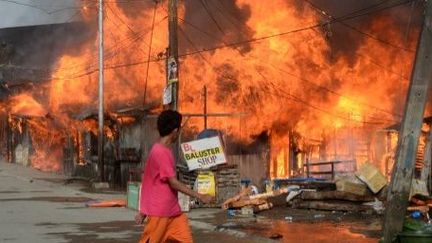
[39,207]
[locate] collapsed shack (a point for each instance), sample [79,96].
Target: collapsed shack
[32,141]
[45,144]
[129,134]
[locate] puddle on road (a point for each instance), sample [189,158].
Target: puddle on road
[320,232]
[305,226]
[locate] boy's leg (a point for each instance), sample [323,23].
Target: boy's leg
[154,230]
[179,230]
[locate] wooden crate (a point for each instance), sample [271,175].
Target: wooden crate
[370,175]
[351,187]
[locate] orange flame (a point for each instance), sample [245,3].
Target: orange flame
[288,82]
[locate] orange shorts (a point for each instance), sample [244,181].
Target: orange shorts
[166,229]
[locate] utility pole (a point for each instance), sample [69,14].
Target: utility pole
[205,107]
[172,60]
[425,173]
[101,97]
[400,185]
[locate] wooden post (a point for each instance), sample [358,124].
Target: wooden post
[388,150]
[427,157]
[205,107]
[173,49]
[9,138]
[400,184]
[332,171]
[101,97]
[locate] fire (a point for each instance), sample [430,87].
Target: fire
[294,82]
[47,144]
[26,105]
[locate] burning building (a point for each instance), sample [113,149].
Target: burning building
[318,78]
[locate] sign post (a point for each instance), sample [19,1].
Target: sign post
[203,153]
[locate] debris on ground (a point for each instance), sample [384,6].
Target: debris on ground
[106,203]
[250,202]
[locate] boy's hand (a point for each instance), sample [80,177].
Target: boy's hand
[206,198]
[139,218]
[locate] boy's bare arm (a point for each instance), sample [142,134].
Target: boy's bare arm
[178,186]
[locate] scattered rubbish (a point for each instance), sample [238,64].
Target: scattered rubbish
[254,190]
[293,188]
[262,207]
[292,194]
[269,185]
[231,212]
[377,206]
[247,211]
[249,202]
[106,203]
[275,236]
[100,185]
[289,218]
[416,214]
[269,194]
[318,216]
[423,209]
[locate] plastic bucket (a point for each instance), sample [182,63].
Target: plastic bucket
[415,237]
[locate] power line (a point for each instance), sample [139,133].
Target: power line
[358,30]
[289,32]
[120,45]
[211,16]
[334,92]
[303,79]
[149,53]
[296,99]
[121,65]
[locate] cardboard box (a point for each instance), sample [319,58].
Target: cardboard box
[351,187]
[373,178]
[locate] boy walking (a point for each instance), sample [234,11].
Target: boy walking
[159,202]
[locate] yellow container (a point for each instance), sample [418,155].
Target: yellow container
[205,183]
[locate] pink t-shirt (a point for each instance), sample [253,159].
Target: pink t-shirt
[157,197]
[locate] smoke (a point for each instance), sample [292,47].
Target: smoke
[41,46]
[345,37]
[212,23]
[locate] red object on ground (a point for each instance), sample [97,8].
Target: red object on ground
[418,201]
[106,203]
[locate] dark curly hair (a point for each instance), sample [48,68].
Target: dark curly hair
[168,121]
